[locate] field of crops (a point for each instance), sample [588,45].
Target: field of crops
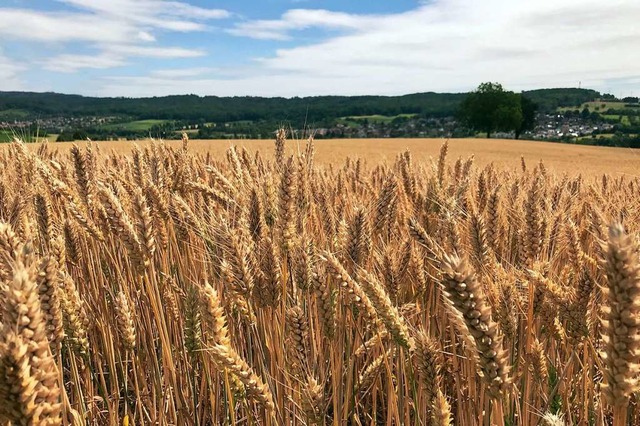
[174,285]
[503,153]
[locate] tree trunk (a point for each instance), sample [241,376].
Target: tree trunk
[488,134]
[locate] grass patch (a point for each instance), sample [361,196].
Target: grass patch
[625,120]
[13,114]
[239,123]
[356,120]
[135,126]
[598,136]
[377,118]
[595,106]
[8,135]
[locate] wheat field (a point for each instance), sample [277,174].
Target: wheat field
[503,153]
[173,285]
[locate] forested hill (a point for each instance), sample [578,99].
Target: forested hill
[548,100]
[25,105]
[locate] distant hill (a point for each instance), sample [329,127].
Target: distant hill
[549,100]
[219,109]
[27,105]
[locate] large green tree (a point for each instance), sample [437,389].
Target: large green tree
[529,109]
[490,109]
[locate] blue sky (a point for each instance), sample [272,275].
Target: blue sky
[316,47]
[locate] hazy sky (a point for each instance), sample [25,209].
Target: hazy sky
[316,47]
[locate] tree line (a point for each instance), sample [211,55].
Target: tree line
[315,110]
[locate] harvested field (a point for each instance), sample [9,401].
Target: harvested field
[192,283]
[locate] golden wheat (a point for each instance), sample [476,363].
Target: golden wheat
[171,286]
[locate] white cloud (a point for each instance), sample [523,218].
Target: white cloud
[299,19]
[157,84]
[181,73]
[68,63]
[149,10]
[146,36]
[154,52]
[105,21]
[117,29]
[114,56]
[23,24]
[10,74]
[441,45]
[453,45]
[168,15]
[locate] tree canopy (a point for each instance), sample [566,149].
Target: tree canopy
[491,109]
[529,109]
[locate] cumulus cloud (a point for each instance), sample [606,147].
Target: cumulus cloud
[170,15]
[455,44]
[300,19]
[146,36]
[440,45]
[69,63]
[146,10]
[105,21]
[117,30]
[161,84]
[155,52]
[31,25]
[179,73]
[10,74]
[114,56]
